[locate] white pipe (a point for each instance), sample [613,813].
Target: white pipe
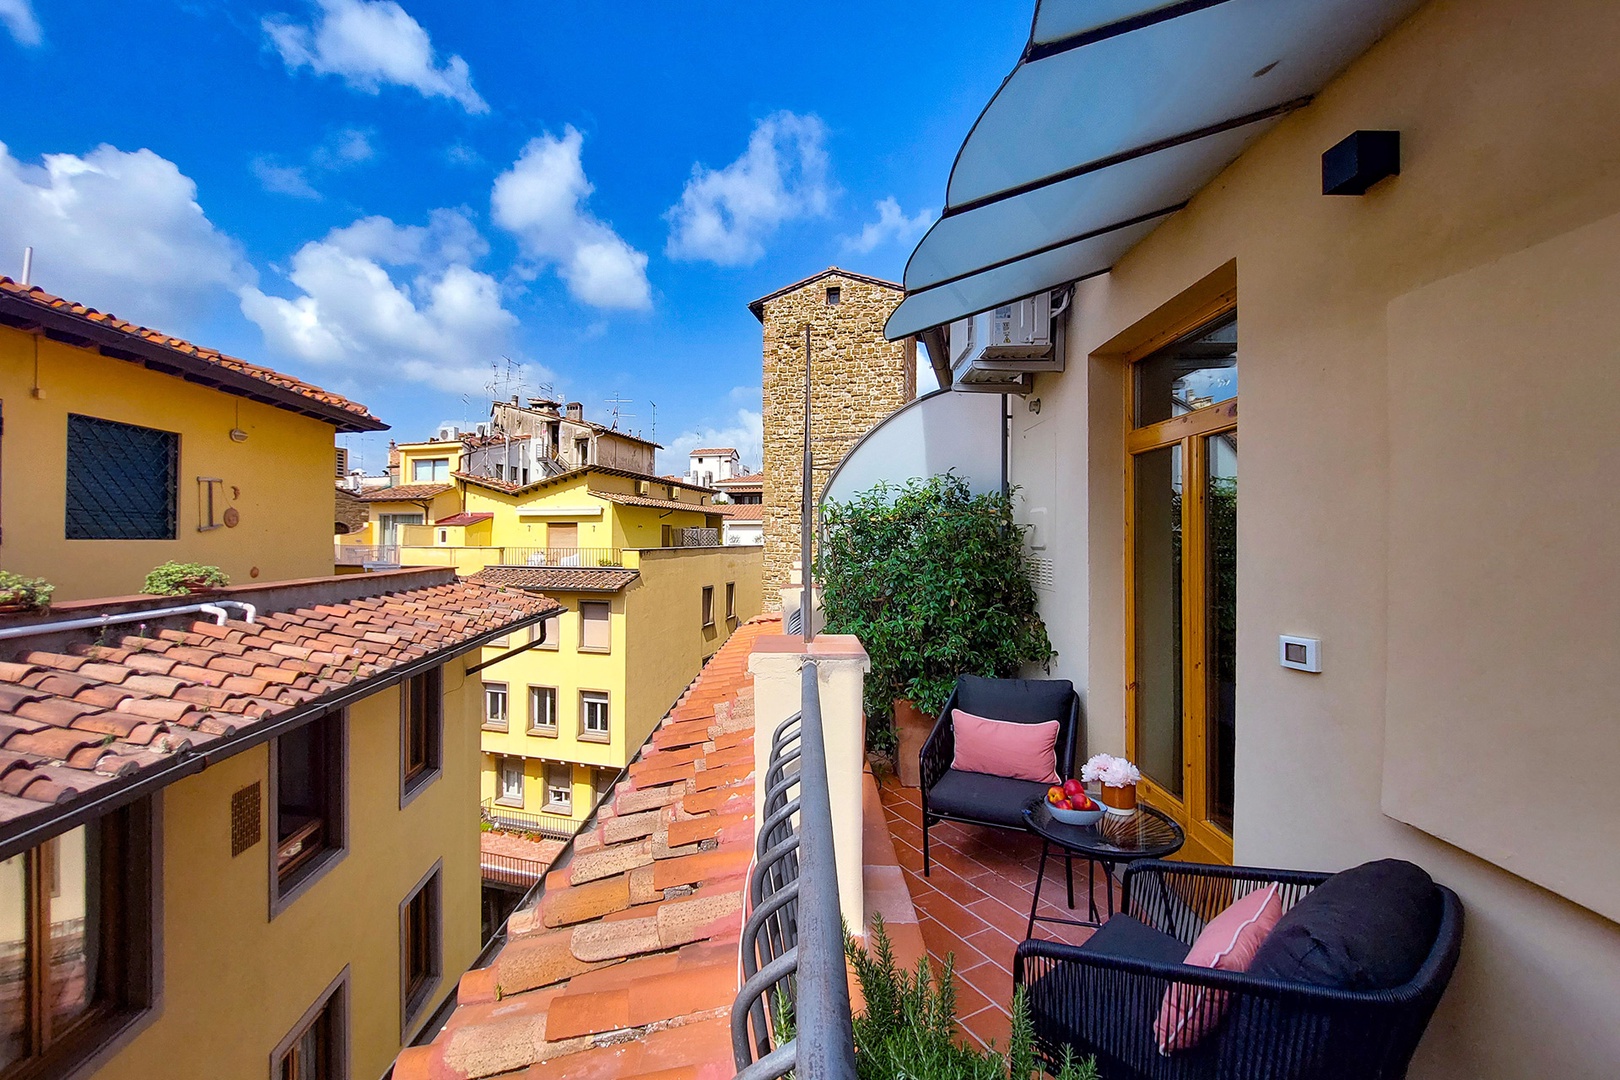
[28,265]
[216,609]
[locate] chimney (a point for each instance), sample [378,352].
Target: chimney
[576,411]
[543,405]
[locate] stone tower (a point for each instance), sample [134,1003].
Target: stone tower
[857,380]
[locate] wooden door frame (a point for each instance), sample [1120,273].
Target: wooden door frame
[1205,840]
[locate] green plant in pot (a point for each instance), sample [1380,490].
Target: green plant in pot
[179,578]
[934,581]
[20,594]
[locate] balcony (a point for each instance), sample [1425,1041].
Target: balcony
[471,559]
[543,826]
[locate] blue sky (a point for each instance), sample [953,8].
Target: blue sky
[387,198]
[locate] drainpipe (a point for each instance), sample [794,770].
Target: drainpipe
[214,608]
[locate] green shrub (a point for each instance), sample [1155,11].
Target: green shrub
[29,593]
[907,1031]
[177,578]
[933,580]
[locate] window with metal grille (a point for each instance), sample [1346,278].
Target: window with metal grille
[122,480]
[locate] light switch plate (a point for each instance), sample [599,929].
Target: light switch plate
[1299,653]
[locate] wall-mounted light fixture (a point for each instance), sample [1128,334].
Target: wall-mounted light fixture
[238,435]
[1359,161]
[1035,405]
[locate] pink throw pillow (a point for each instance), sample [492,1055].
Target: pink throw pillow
[1228,943]
[1005,748]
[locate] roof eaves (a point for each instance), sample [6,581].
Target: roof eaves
[758,306]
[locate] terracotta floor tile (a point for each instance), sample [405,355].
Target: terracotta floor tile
[990,1025]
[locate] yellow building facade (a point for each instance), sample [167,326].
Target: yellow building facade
[242,470]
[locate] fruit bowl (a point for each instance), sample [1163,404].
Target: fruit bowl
[1076,817]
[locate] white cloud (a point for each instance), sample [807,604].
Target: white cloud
[18,15]
[121,231]
[435,320]
[745,430]
[892,226]
[372,43]
[283,179]
[725,215]
[344,149]
[541,200]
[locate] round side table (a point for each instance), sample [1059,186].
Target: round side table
[1146,834]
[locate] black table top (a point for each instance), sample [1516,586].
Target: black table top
[1146,834]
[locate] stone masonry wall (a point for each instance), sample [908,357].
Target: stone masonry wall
[858,379]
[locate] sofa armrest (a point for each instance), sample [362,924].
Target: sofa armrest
[939,749]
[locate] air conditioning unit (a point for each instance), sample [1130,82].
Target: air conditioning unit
[448,433]
[483,428]
[643,487]
[998,350]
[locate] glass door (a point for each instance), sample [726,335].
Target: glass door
[1182,553]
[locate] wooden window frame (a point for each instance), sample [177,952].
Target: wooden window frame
[286,886]
[708,607]
[549,807]
[131,971]
[414,776]
[1189,431]
[586,735]
[554,729]
[501,762]
[505,723]
[414,999]
[337,997]
[731,601]
[600,650]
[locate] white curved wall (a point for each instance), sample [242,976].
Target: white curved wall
[940,431]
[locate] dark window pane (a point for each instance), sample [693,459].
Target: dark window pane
[1221,623]
[13,959]
[308,773]
[121,481]
[75,917]
[1197,371]
[1158,616]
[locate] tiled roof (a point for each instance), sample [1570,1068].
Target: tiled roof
[660,504]
[464,518]
[573,474]
[23,304]
[82,718]
[742,511]
[713,450]
[756,479]
[403,493]
[625,965]
[557,578]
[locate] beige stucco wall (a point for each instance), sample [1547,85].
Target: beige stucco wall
[1506,118]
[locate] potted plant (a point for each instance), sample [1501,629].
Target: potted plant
[1118,779]
[933,579]
[20,595]
[178,578]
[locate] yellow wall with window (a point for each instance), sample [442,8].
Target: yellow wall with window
[659,644]
[524,520]
[418,462]
[279,480]
[235,982]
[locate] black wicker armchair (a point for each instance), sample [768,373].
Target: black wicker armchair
[994,801]
[1105,1003]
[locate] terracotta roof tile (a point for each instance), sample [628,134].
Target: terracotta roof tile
[403,493]
[657,504]
[74,720]
[277,387]
[625,965]
[558,578]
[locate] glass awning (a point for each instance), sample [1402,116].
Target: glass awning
[1118,112]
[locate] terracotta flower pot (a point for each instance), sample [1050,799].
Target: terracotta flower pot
[1119,800]
[912,726]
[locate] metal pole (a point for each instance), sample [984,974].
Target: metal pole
[807,596]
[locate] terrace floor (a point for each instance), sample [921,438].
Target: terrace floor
[975,904]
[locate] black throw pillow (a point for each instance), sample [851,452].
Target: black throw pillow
[1366,928]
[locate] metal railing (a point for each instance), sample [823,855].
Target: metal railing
[561,556]
[793,941]
[550,826]
[513,871]
[367,555]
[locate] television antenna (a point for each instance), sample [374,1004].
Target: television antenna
[615,410]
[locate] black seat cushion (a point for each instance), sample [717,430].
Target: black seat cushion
[1025,701]
[995,800]
[1366,928]
[1127,936]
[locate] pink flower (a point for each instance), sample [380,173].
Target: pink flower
[1111,771]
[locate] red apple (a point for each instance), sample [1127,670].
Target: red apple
[1065,804]
[1054,795]
[1084,802]
[1071,788]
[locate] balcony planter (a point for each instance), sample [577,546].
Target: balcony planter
[911,727]
[23,595]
